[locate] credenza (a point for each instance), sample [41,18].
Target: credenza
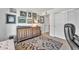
[27,32]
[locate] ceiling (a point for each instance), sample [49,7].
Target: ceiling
[38,10]
[43,10]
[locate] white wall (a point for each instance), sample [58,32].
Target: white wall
[10,29]
[51,21]
[59,18]
[4,28]
[2,24]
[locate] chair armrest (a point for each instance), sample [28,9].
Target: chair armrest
[76,40]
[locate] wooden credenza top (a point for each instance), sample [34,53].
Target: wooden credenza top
[24,26]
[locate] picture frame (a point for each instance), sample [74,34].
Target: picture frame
[29,14]
[29,21]
[13,10]
[41,19]
[10,18]
[23,13]
[21,19]
[34,15]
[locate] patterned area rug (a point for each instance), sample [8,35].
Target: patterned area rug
[39,43]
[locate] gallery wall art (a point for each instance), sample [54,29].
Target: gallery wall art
[34,15]
[21,19]
[23,13]
[41,20]
[29,21]
[29,14]
[24,17]
[13,10]
[10,18]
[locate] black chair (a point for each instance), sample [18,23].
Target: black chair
[71,37]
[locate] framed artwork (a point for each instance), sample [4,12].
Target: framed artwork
[10,18]
[29,21]
[22,13]
[13,10]
[21,19]
[29,14]
[34,15]
[41,19]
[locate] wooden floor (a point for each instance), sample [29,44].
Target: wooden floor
[65,45]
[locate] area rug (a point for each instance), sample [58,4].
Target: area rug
[39,43]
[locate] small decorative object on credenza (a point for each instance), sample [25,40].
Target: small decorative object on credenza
[10,18]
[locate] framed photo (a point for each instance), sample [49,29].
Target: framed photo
[10,18]
[23,13]
[34,15]
[41,19]
[29,21]
[13,10]
[29,14]
[21,19]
